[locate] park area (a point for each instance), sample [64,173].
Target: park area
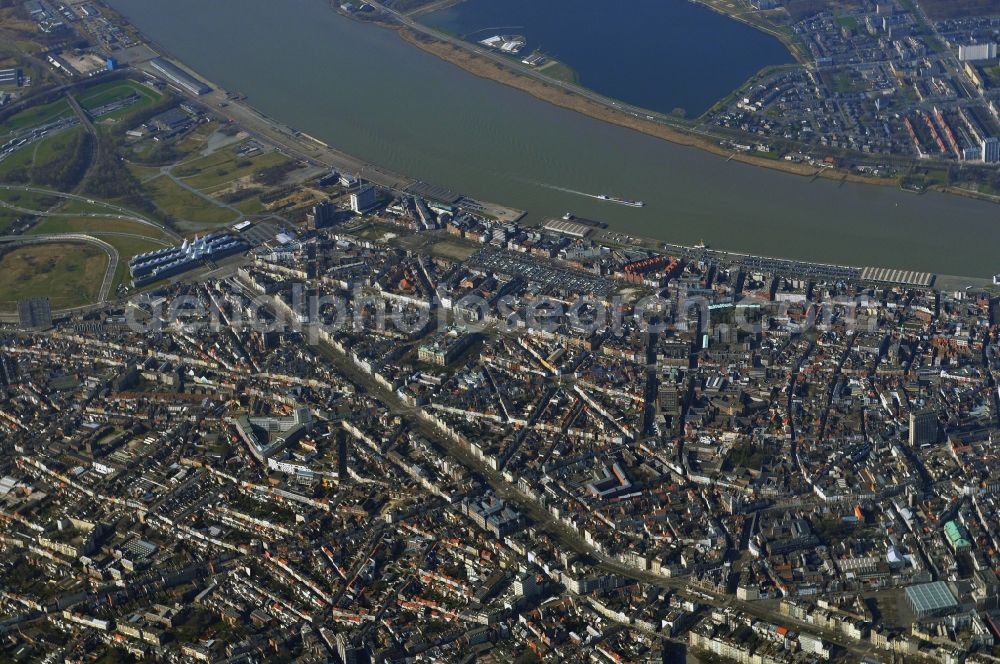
[69,274]
[138,191]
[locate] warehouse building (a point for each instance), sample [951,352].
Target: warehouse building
[179,77]
[567,227]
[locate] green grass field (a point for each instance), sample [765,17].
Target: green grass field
[199,165]
[54,147]
[39,153]
[44,202]
[106,93]
[183,205]
[18,160]
[992,76]
[7,218]
[936,176]
[95,225]
[847,22]
[142,172]
[35,115]
[250,206]
[28,200]
[765,155]
[69,274]
[222,167]
[560,71]
[99,95]
[844,83]
[76,206]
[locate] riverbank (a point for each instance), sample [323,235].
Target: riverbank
[559,96]
[496,143]
[489,69]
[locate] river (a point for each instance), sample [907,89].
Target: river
[655,54]
[366,91]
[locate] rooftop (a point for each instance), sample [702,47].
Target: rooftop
[928,597]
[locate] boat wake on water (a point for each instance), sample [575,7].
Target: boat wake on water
[565,190]
[599,197]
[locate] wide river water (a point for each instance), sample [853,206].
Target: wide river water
[366,91]
[656,54]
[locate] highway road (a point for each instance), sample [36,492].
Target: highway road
[80,113]
[122,213]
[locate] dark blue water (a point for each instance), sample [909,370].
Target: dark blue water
[657,54]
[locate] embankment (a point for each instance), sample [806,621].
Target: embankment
[490,69]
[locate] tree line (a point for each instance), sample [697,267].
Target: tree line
[65,173]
